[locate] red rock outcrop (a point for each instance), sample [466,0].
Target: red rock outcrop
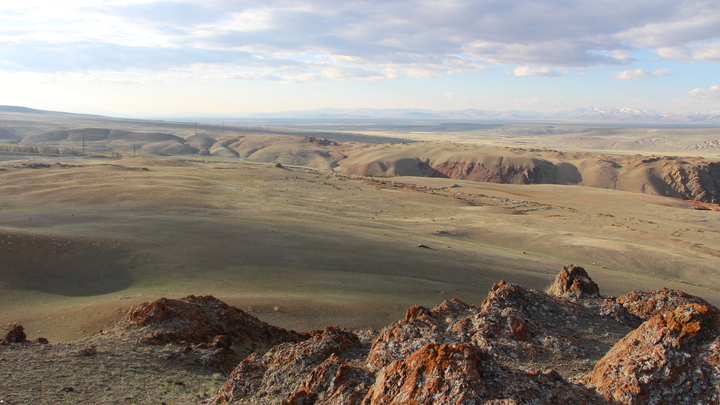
[456,353]
[636,306]
[465,374]
[439,374]
[518,322]
[435,373]
[15,335]
[333,383]
[574,282]
[216,334]
[450,354]
[613,309]
[645,305]
[200,320]
[669,359]
[403,337]
[274,376]
[420,326]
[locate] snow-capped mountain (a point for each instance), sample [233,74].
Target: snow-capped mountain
[586,115]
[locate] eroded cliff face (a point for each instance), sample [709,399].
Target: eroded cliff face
[690,178]
[520,346]
[686,178]
[536,173]
[699,181]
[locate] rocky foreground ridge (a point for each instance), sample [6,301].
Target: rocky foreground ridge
[569,345]
[457,353]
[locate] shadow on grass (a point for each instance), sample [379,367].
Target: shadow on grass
[74,267]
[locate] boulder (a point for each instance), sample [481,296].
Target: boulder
[16,335]
[574,282]
[461,373]
[203,320]
[516,322]
[646,305]
[672,358]
[277,375]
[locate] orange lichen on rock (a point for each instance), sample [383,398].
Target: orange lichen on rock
[268,376]
[195,319]
[458,354]
[435,373]
[661,361]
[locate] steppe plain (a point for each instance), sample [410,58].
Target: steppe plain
[305,246]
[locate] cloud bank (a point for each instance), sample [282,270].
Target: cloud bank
[712,92]
[366,40]
[640,73]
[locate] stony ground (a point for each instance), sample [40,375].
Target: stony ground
[103,370]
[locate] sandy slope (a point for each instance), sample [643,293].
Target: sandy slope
[308,249]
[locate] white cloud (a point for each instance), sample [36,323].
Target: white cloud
[562,52]
[249,76]
[691,22]
[707,52]
[674,53]
[712,92]
[534,71]
[362,40]
[640,73]
[342,73]
[528,101]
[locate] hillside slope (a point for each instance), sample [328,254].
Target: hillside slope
[691,178]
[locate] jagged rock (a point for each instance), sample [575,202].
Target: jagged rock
[636,306]
[669,359]
[274,376]
[613,309]
[574,282]
[333,383]
[518,322]
[645,305]
[215,334]
[464,374]
[16,335]
[420,326]
[201,320]
[435,373]
[453,308]
[456,353]
[401,338]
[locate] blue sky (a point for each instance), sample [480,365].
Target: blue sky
[147,58]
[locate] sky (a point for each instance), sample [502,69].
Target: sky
[153,58]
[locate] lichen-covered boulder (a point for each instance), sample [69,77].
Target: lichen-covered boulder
[669,359]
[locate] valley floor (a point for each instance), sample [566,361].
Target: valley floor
[82,241]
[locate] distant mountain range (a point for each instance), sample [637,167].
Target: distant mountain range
[585,115]
[596,115]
